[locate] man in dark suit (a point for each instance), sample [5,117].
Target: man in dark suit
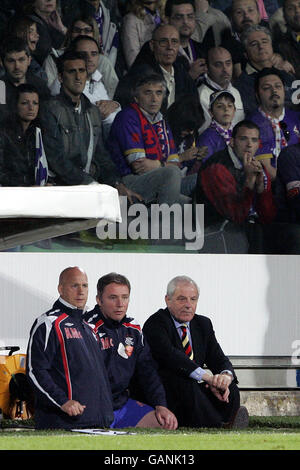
[159,55]
[182,342]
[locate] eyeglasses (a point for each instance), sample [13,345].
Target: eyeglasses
[82,30]
[286,133]
[165,42]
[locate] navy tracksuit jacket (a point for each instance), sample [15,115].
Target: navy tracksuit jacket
[64,362]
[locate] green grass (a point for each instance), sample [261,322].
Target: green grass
[195,441]
[270,433]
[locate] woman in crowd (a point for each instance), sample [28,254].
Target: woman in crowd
[50,28]
[22,158]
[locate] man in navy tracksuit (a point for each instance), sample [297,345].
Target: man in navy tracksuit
[65,364]
[127,355]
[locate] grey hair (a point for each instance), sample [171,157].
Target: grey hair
[252,29]
[149,78]
[177,280]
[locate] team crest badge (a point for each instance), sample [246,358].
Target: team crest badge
[126,350]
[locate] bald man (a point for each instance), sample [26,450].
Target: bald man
[63,356]
[217,78]
[159,55]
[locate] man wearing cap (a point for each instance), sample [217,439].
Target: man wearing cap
[279,125]
[218,77]
[218,135]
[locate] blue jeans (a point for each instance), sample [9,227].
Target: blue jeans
[162,184]
[188,184]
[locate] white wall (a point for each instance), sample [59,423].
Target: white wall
[253,301]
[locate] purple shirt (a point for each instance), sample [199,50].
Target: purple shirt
[267,135]
[128,141]
[212,140]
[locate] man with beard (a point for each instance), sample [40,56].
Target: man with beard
[279,126]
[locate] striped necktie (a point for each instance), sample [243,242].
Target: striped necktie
[185,342]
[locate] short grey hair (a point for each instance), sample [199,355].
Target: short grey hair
[178,280]
[252,29]
[149,79]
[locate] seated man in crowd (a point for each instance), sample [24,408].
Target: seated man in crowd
[72,138]
[257,41]
[243,13]
[65,364]
[235,190]
[94,88]
[16,59]
[142,146]
[181,342]
[287,44]
[288,184]
[181,14]
[107,28]
[279,126]
[160,55]
[283,236]
[218,77]
[218,135]
[127,356]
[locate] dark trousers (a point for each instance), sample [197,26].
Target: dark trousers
[274,239]
[196,406]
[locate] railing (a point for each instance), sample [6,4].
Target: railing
[257,364]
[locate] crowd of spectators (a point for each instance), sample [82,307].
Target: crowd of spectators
[145,95]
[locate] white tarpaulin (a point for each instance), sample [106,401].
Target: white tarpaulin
[95,201]
[31,214]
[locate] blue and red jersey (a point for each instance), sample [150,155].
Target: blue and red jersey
[127,356]
[133,136]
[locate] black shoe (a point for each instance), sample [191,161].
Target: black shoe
[240,420]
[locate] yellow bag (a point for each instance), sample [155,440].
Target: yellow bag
[16,399]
